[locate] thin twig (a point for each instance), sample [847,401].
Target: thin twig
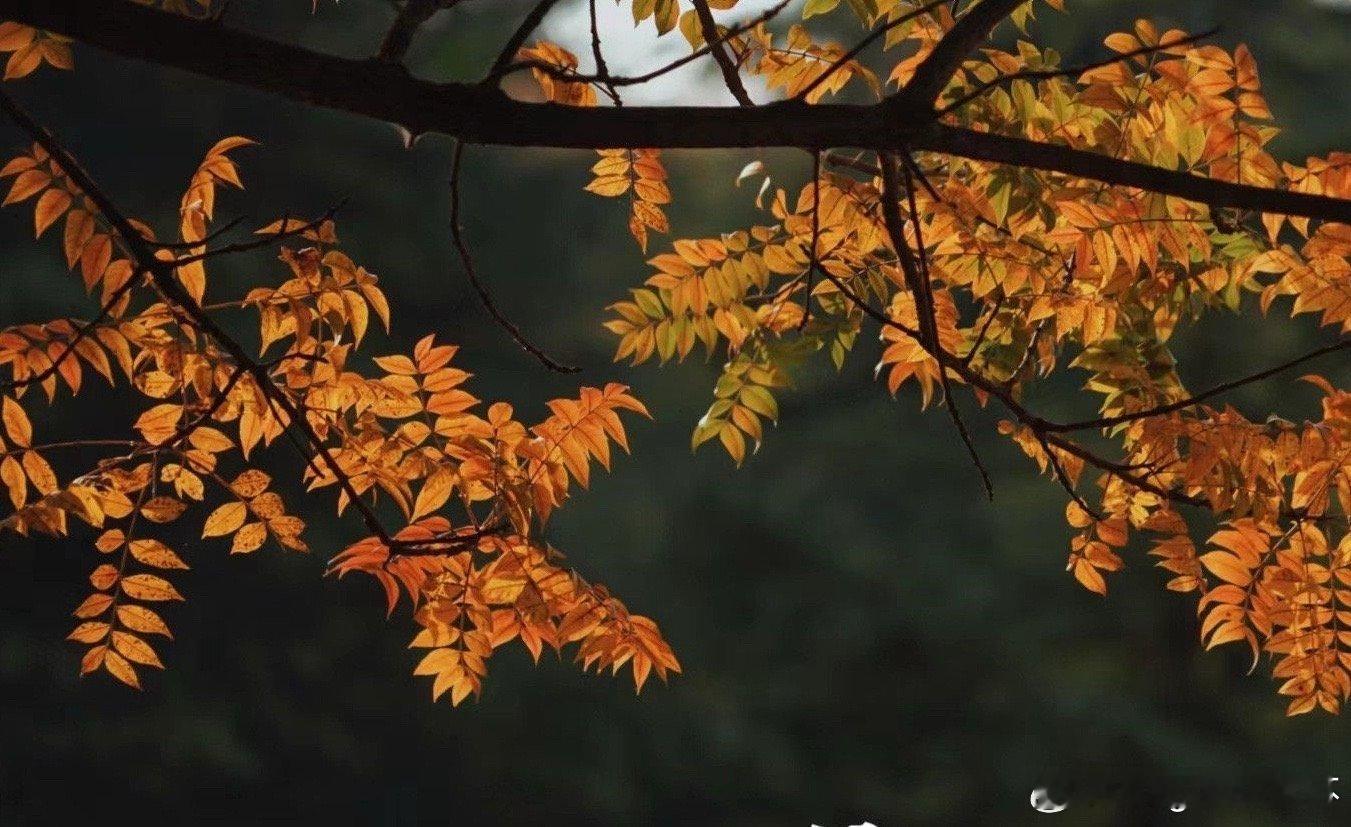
[559,73]
[467,262]
[1160,410]
[599,55]
[863,44]
[917,277]
[518,38]
[1070,71]
[814,261]
[263,240]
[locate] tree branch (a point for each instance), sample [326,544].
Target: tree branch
[400,35]
[936,71]
[917,281]
[726,65]
[481,114]
[518,38]
[1020,152]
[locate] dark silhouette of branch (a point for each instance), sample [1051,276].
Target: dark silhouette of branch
[1002,149]
[1160,410]
[936,70]
[290,228]
[598,54]
[476,113]
[406,23]
[917,281]
[730,74]
[486,298]
[518,38]
[814,262]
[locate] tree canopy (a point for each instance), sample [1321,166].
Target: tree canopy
[997,218]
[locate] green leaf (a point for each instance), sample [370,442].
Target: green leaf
[815,7]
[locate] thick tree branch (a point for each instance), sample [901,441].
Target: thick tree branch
[1020,152]
[400,35]
[936,71]
[481,114]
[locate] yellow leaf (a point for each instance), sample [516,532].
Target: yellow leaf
[210,440]
[141,619]
[225,520]
[118,667]
[89,632]
[17,426]
[135,650]
[156,554]
[104,576]
[39,472]
[609,186]
[94,605]
[11,474]
[249,538]
[149,587]
[110,540]
[1226,567]
[51,206]
[434,492]
[159,423]
[250,483]
[162,509]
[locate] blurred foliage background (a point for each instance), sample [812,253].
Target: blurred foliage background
[863,635]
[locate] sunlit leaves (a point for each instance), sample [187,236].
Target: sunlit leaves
[30,48]
[226,519]
[198,206]
[555,88]
[976,276]
[639,174]
[1024,274]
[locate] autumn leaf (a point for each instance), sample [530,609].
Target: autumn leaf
[248,538]
[226,519]
[17,426]
[141,619]
[149,587]
[155,554]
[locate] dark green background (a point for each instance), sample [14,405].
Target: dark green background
[863,635]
